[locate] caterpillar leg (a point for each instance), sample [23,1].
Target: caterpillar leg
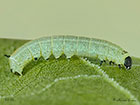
[68,59]
[111,63]
[102,62]
[119,66]
[47,59]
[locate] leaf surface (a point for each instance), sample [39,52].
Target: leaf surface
[67,81]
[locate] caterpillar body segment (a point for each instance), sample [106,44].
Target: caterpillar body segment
[57,46]
[68,45]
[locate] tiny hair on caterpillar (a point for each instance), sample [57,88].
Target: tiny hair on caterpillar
[68,45]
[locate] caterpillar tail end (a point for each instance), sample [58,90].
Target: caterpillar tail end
[15,68]
[17,71]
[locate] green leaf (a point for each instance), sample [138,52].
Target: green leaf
[67,81]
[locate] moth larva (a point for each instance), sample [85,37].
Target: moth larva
[69,45]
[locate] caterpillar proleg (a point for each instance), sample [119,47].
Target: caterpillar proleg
[68,45]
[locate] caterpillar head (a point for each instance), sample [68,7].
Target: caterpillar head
[128,62]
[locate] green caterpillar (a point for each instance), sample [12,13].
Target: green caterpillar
[68,45]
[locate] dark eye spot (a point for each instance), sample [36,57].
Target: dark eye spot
[35,58]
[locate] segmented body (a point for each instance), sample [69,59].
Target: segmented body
[68,45]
